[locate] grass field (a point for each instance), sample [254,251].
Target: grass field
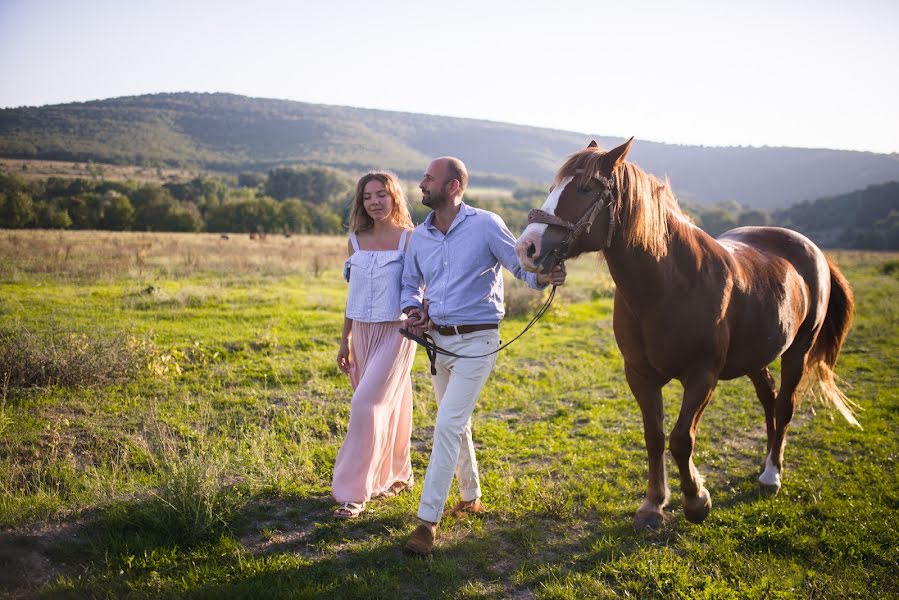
[172,409]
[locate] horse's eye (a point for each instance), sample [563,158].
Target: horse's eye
[583,189]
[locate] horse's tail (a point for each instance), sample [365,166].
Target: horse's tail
[824,353]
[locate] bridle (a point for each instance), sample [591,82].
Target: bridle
[605,196]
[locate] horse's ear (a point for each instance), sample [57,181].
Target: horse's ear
[617,155]
[593,144]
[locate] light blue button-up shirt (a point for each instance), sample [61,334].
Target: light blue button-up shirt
[460,271]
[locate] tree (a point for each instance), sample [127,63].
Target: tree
[717,219]
[118,213]
[312,184]
[16,210]
[183,216]
[325,220]
[295,216]
[250,180]
[84,210]
[154,206]
[753,216]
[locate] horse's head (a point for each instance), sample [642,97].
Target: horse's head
[577,215]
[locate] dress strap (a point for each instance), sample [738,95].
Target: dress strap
[402,245]
[354,241]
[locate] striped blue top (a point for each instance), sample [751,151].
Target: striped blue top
[460,271]
[374,277]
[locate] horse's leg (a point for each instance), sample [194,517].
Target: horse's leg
[698,391]
[791,372]
[766,391]
[649,397]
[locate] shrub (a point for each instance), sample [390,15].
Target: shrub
[69,357]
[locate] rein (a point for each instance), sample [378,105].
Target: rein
[433,349]
[604,199]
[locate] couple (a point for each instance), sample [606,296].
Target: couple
[444,276]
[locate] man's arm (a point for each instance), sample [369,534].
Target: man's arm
[411,294]
[502,245]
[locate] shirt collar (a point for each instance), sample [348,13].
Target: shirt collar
[464,211]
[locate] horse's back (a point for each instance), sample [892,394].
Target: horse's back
[764,248]
[771,240]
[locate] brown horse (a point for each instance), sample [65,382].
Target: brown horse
[696,309]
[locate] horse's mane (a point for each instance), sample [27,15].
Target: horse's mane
[647,212]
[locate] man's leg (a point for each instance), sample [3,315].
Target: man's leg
[452,431]
[466,469]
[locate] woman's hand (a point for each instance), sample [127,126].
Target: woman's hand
[343,356]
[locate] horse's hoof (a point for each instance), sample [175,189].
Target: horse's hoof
[768,490]
[645,519]
[697,508]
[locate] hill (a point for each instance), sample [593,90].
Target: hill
[236,133]
[867,218]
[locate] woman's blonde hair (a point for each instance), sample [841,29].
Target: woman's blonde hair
[359,219]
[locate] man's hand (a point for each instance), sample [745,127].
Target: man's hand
[555,277]
[417,322]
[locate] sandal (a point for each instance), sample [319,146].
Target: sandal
[395,489]
[349,510]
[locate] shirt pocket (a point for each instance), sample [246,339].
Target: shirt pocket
[360,260]
[392,262]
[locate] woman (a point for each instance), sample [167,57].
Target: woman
[374,458]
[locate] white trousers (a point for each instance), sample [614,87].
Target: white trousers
[457,385]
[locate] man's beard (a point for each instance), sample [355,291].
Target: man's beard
[435,200]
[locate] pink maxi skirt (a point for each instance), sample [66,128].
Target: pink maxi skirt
[375,452]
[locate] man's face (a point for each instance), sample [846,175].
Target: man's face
[433,185]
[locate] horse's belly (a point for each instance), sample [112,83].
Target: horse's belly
[751,353]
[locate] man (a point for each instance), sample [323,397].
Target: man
[456,256]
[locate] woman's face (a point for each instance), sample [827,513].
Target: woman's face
[376,201]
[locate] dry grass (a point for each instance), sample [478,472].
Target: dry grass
[68,357]
[42,169]
[95,255]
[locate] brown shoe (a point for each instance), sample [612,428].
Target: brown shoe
[462,507]
[422,539]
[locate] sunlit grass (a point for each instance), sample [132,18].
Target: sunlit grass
[210,474]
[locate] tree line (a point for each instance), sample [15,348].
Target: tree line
[316,200]
[289,200]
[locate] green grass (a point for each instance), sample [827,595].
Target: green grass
[207,475]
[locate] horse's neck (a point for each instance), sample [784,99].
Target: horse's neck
[641,277]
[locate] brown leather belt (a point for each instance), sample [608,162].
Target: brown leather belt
[457,329]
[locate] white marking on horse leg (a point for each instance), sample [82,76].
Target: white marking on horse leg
[771,475]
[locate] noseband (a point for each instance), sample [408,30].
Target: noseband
[605,196]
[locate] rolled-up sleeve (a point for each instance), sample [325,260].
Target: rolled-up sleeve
[502,245]
[412,281]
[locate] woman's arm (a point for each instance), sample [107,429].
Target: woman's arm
[343,351]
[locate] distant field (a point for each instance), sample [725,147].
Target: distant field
[42,169]
[184,409]
[489,193]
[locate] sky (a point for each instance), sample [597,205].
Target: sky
[801,73]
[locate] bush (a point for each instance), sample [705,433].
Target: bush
[69,357]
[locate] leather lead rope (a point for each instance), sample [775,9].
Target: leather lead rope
[433,349]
